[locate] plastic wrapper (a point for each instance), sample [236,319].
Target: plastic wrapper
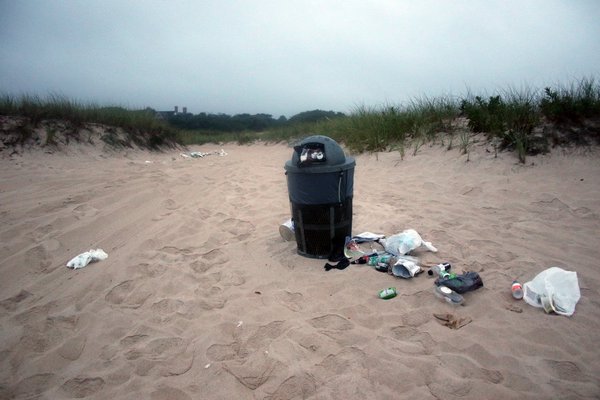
[405,242]
[554,290]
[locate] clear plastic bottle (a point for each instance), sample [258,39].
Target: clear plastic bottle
[448,295]
[517,290]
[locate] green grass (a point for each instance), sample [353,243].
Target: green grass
[572,103]
[141,126]
[509,118]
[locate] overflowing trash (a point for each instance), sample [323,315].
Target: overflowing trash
[555,290]
[395,255]
[84,259]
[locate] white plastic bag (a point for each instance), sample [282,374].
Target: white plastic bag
[84,259]
[405,242]
[553,289]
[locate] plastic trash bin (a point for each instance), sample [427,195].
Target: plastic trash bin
[320,181]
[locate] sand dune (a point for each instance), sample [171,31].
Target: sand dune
[200,298]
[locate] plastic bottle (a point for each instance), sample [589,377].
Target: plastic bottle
[448,295]
[375,259]
[440,270]
[517,290]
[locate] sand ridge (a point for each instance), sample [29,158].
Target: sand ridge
[201,298]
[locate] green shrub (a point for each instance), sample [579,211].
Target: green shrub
[572,104]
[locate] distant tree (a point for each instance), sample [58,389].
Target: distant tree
[315,115]
[223,122]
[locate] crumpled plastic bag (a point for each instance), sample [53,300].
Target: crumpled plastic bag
[405,242]
[553,289]
[84,259]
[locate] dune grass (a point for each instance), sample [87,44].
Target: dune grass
[140,126]
[511,118]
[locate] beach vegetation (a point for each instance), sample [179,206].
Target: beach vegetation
[523,120]
[139,127]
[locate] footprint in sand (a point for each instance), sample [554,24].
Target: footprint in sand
[467,369]
[222,352]
[415,318]
[245,346]
[169,204]
[167,306]
[300,386]
[38,257]
[169,354]
[80,387]
[412,334]
[126,295]
[11,303]
[293,301]
[85,211]
[239,229]
[254,370]
[208,260]
[169,393]
[400,348]
[32,386]
[566,370]
[72,348]
[147,270]
[39,336]
[331,322]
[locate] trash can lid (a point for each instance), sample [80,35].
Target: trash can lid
[318,154]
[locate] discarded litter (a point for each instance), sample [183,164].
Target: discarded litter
[553,289]
[462,283]
[452,321]
[440,269]
[200,154]
[286,230]
[84,259]
[517,290]
[405,242]
[448,295]
[405,269]
[367,237]
[388,293]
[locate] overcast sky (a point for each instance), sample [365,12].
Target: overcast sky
[284,57]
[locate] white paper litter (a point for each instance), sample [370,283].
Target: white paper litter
[84,259]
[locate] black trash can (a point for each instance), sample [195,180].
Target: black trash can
[320,182]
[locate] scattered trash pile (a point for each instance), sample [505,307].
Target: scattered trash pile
[199,154]
[555,290]
[394,258]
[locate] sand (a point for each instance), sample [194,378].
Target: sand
[200,297]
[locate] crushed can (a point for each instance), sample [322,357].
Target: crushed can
[388,293]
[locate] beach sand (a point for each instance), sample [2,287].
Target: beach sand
[200,297]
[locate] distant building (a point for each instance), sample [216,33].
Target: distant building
[169,114]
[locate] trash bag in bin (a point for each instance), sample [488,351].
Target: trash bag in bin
[320,182]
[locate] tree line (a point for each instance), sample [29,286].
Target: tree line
[243,122]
